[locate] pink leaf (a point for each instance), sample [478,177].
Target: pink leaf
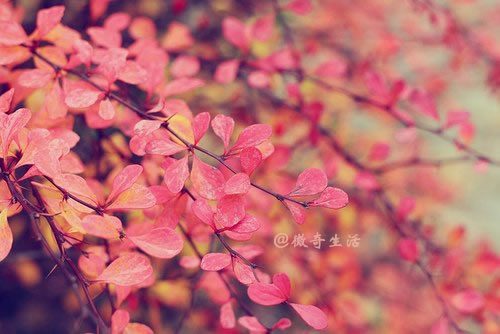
[215,261]
[137,328]
[252,324]
[12,33]
[106,109]
[282,324]
[299,7]
[185,66]
[332,68]
[47,19]
[312,315]
[117,21]
[112,63]
[176,175]
[237,184]
[128,269]
[265,294]
[262,29]
[282,282]
[207,180]
[248,224]
[230,210]
[161,242]
[457,117]
[106,227]
[203,211]
[182,85]
[76,185]
[252,136]
[310,182]
[119,320]
[424,103]
[34,78]
[227,319]
[468,301]
[106,38]
[297,211]
[164,147]
[440,327]
[10,125]
[136,197]
[235,32]
[54,102]
[145,127]
[5,235]
[6,100]
[81,98]
[408,249]
[223,127]
[226,71]
[200,125]
[243,272]
[133,73]
[333,198]
[124,180]
[250,159]
[258,79]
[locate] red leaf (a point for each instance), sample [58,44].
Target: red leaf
[236,33]
[226,71]
[12,33]
[227,319]
[185,66]
[200,125]
[298,212]
[468,301]
[124,180]
[203,211]
[207,180]
[223,127]
[47,19]
[119,320]
[128,269]
[310,182]
[6,100]
[81,98]
[5,235]
[161,242]
[106,227]
[252,136]
[250,159]
[408,249]
[230,210]
[176,175]
[265,294]
[35,78]
[237,184]
[282,282]
[312,315]
[333,198]
[164,147]
[215,261]
[106,109]
[136,197]
[252,324]
[10,125]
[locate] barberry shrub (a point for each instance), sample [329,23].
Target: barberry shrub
[155,154]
